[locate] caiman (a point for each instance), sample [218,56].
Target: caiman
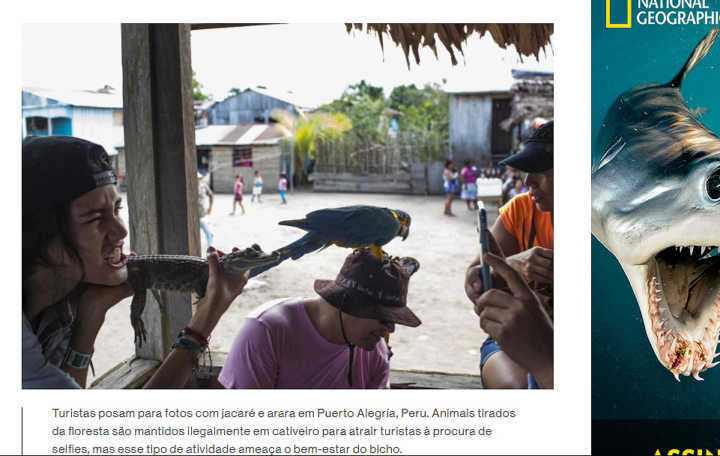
[182,273]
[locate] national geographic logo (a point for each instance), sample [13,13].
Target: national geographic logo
[619,13]
[687,452]
[608,22]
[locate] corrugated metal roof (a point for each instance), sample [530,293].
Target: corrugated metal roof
[251,134]
[486,83]
[235,133]
[286,96]
[495,79]
[85,98]
[238,135]
[273,131]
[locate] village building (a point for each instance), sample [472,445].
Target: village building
[94,115]
[226,151]
[474,123]
[253,105]
[532,103]
[488,123]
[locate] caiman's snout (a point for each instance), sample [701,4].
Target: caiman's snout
[243,260]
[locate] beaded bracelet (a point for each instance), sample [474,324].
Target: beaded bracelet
[184,342]
[191,332]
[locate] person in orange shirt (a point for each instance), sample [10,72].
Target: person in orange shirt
[524,232]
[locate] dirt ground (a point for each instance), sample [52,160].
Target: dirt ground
[449,338]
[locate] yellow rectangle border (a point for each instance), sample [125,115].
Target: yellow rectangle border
[608,24]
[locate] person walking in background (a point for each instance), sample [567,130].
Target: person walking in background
[282,187]
[469,175]
[450,185]
[257,187]
[205,195]
[238,195]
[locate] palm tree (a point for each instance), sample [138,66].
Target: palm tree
[307,130]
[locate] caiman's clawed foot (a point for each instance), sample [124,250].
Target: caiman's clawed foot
[140,332]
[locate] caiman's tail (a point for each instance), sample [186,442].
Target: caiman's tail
[698,53]
[306,244]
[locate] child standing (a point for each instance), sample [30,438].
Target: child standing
[238,195]
[257,187]
[282,187]
[469,175]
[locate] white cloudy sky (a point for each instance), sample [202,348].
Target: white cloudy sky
[316,61]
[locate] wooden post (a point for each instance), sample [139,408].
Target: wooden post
[161,163]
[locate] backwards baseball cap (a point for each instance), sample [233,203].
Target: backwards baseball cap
[369,288]
[58,169]
[536,154]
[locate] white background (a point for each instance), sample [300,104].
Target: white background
[550,422]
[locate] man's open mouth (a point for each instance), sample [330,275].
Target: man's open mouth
[683,286]
[116,259]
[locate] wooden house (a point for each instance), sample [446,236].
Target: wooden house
[252,105]
[488,123]
[94,115]
[226,151]
[474,124]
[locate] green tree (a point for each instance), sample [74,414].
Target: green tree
[363,104]
[422,115]
[234,91]
[364,89]
[423,109]
[308,130]
[404,96]
[198,94]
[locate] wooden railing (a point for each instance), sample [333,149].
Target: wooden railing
[132,374]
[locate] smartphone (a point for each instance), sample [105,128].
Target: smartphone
[484,246]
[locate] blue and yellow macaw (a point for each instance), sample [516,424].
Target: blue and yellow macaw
[352,227]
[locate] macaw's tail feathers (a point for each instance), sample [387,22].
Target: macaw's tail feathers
[306,244]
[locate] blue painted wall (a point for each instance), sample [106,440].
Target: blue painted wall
[61,126]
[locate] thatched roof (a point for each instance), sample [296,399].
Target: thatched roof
[532,97]
[528,39]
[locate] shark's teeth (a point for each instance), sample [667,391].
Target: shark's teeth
[682,353]
[700,251]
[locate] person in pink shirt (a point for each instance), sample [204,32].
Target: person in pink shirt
[282,187]
[469,175]
[335,340]
[239,183]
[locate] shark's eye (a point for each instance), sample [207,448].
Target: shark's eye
[713,185]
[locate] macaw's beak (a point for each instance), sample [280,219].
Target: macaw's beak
[404,231]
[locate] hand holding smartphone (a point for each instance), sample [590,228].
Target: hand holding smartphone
[484,246]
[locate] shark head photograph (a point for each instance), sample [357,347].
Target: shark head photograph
[656,208]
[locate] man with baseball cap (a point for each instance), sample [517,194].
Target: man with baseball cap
[335,340]
[524,232]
